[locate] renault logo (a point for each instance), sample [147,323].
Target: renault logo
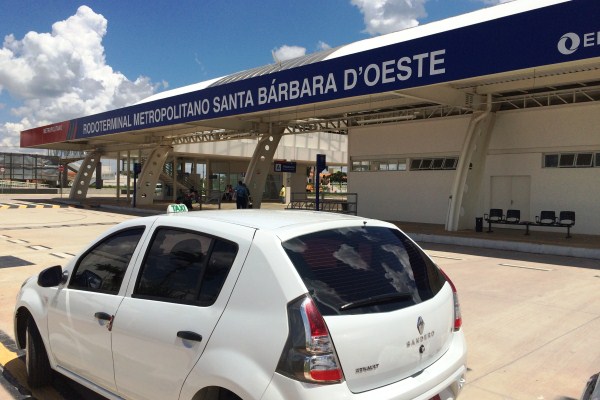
[420,325]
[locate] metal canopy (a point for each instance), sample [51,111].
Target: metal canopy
[436,70]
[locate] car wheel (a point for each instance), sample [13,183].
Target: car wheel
[38,368]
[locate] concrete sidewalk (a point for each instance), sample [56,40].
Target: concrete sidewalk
[539,241]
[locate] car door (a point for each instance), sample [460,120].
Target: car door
[80,315]
[172,307]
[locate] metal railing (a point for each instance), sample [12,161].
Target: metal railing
[5,183]
[344,203]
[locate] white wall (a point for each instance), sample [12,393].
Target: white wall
[519,140]
[414,196]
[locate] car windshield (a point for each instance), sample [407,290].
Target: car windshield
[363,269]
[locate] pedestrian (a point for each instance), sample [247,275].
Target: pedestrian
[248,198]
[282,194]
[241,195]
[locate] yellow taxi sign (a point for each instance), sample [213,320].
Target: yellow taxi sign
[176,208]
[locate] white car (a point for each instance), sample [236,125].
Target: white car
[247,304]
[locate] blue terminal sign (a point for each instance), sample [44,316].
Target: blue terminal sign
[554,34]
[284,166]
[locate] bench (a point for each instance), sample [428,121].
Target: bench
[496,216]
[566,219]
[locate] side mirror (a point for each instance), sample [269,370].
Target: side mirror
[50,277]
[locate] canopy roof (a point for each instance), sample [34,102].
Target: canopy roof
[524,53]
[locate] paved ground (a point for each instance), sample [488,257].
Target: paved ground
[532,321]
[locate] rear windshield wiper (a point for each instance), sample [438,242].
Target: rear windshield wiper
[374,300]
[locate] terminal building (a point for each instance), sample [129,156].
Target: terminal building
[495,109]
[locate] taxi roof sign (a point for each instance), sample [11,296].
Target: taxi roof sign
[176,208]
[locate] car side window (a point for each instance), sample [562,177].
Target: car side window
[102,268]
[185,267]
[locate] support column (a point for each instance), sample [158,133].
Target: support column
[128,176]
[208,179]
[262,163]
[84,176]
[148,178]
[174,177]
[65,175]
[465,195]
[118,176]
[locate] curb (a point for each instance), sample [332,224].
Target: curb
[508,245]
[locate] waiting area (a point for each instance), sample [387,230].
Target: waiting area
[546,219]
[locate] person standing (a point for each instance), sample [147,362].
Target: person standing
[282,194]
[248,198]
[241,195]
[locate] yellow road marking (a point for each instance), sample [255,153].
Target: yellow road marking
[16,368]
[6,355]
[20,206]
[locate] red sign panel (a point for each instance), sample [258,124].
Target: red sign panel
[45,134]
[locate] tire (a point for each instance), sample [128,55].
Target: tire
[38,368]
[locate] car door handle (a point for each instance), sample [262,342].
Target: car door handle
[188,335]
[103,315]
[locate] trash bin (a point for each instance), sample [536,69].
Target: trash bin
[478,224]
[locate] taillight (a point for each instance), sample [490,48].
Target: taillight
[457,314]
[308,354]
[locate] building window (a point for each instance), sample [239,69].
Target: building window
[428,164]
[450,163]
[566,160]
[359,166]
[571,160]
[584,160]
[551,160]
[396,164]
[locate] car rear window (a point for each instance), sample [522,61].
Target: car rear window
[361,270]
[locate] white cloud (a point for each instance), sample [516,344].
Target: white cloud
[62,75]
[286,52]
[385,16]
[321,45]
[494,2]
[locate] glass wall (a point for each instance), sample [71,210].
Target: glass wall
[35,169]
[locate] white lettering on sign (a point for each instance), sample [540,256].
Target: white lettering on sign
[106,125]
[52,129]
[570,42]
[401,69]
[394,70]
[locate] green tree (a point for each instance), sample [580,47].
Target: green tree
[338,177]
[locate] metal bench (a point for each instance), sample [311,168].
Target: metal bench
[566,219]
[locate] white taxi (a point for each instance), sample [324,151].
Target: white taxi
[247,304]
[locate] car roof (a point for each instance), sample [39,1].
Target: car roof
[267,219]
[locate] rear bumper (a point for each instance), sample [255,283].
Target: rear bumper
[445,378]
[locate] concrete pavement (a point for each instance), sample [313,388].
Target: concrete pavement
[531,320]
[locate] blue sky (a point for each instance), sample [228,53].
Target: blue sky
[59,60]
